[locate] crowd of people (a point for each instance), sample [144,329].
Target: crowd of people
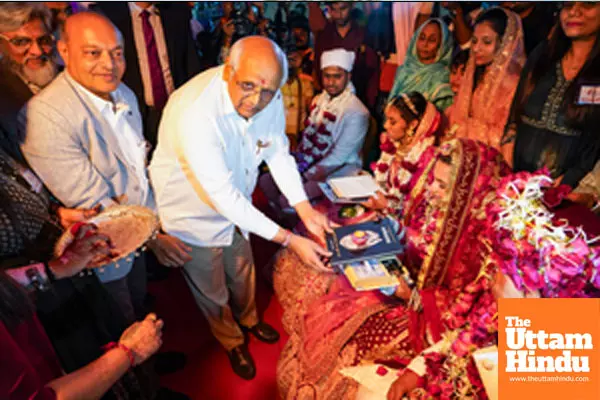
[131,103]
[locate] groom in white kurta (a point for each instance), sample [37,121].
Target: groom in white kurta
[330,144]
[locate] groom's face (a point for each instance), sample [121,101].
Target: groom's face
[335,80]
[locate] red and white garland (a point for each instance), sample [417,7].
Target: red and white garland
[409,158]
[317,136]
[395,186]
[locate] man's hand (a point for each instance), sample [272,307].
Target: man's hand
[402,386]
[310,252]
[170,251]
[315,222]
[70,216]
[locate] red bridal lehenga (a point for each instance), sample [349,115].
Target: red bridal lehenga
[335,327]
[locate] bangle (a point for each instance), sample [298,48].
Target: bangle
[287,240]
[127,350]
[414,301]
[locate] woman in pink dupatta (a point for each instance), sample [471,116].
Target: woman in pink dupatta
[482,106]
[344,328]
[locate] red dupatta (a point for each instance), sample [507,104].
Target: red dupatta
[451,252]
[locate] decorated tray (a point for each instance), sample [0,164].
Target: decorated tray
[350,214]
[128,228]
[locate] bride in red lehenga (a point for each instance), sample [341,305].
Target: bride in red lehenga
[341,327]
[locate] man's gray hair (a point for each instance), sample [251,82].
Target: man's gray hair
[235,54]
[13,15]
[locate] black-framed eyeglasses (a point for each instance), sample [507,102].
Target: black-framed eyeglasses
[23,43]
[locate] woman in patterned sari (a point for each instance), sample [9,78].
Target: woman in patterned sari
[481,108]
[443,254]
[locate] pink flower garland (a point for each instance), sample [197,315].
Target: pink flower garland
[472,320]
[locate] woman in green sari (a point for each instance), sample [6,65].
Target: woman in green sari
[426,67]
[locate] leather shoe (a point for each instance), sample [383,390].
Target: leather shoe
[264,332]
[241,362]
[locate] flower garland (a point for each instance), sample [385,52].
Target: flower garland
[317,137]
[536,253]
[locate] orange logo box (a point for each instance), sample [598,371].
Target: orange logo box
[549,349]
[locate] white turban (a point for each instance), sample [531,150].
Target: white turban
[338,58]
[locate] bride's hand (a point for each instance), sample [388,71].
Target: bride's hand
[377,202]
[403,291]
[402,386]
[587,200]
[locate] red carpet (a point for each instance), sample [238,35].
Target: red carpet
[208,375]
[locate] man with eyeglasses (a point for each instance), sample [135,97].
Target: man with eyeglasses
[26,65]
[215,132]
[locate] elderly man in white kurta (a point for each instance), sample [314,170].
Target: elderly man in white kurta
[331,142]
[215,132]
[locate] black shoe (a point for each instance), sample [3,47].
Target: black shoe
[169,362]
[264,332]
[167,394]
[242,362]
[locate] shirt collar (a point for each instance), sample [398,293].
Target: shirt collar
[99,103]
[137,10]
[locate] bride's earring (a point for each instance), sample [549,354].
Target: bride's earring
[410,132]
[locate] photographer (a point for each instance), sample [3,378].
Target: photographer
[235,24]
